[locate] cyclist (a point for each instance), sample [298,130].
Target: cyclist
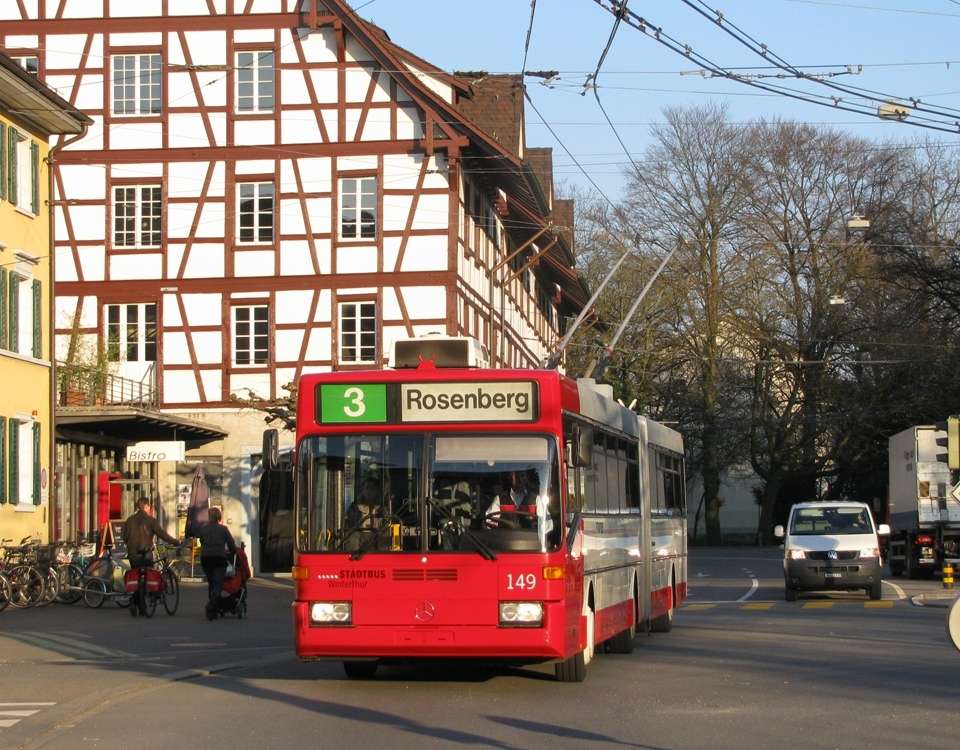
[139,534]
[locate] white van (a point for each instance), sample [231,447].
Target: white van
[831,545]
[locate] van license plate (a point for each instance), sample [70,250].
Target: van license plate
[833,575]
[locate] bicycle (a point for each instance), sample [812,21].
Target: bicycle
[102,579]
[27,583]
[150,585]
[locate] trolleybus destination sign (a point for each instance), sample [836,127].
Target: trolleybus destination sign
[347,403]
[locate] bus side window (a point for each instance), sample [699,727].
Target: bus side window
[656,483]
[596,500]
[613,476]
[632,479]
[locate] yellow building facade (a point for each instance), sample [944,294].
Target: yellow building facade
[30,114]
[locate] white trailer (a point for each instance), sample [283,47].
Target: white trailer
[922,509]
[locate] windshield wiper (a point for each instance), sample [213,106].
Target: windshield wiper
[482,549]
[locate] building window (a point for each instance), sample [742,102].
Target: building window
[132,332]
[255,81]
[251,335]
[255,212]
[137,213]
[30,63]
[358,332]
[20,317]
[137,84]
[19,170]
[21,445]
[358,208]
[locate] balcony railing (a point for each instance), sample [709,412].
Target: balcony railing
[88,386]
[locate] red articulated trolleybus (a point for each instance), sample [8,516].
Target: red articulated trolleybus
[464,512]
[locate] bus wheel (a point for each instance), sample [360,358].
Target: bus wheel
[621,643]
[664,623]
[360,670]
[573,669]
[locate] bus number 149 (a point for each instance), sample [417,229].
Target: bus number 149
[522,581]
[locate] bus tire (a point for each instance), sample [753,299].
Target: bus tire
[573,669]
[664,623]
[621,643]
[360,670]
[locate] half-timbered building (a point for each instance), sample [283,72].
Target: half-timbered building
[273,187]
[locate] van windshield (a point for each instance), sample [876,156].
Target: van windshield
[834,520]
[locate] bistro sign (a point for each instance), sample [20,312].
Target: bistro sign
[156,451]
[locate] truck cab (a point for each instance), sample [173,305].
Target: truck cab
[831,546]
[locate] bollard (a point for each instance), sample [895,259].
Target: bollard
[947,574]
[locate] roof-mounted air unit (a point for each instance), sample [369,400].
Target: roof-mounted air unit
[442,350]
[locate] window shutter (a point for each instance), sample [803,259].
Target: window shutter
[3,312]
[3,460]
[12,139]
[13,306]
[3,161]
[37,321]
[13,471]
[36,463]
[35,177]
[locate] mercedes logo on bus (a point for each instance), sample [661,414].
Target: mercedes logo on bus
[425,612]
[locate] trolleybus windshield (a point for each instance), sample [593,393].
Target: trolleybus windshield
[415,492]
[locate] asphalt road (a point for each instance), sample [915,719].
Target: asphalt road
[741,669]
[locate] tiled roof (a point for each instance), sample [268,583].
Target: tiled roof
[563,217]
[497,107]
[540,161]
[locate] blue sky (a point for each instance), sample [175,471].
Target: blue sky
[642,77]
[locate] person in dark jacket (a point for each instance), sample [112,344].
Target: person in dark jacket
[217,542]
[139,533]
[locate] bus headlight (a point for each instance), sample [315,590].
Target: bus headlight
[521,614]
[331,613]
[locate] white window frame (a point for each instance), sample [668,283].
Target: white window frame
[258,189]
[251,349]
[24,175]
[134,102]
[141,236]
[25,465]
[348,340]
[259,98]
[24,62]
[352,192]
[124,330]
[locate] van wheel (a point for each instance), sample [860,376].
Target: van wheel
[360,670]
[790,594]
[875,591]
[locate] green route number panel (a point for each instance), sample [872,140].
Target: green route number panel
[349,403]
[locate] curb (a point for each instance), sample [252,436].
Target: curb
[939,601]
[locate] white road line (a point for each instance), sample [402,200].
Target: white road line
[895,587]
[7,723]
[20,713]
[754,585]
[3,705]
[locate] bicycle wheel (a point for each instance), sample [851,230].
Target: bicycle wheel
[51,587]
[71,579]
[171,592]
[26,585]
[4,592]
[148,602]
[94,592]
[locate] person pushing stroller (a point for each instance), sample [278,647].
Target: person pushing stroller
[217,542]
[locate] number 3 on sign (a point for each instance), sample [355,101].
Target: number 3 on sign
[522,581]
[357,408]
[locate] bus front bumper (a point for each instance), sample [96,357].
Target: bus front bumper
[544,643]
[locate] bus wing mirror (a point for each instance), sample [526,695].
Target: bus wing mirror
[271,450]
[582,445]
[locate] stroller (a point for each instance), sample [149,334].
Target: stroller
[233,598]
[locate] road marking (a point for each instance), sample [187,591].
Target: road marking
[818,605]
[196,645]
[754,585]
[20,710]
[697,607]
[878,605]
[4,705]
[757,606]
[895,587]
[20,713]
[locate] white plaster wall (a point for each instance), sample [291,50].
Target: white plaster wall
[300,127]
[209,347]
[377,125]
[66,50]
[180,94]
[180,387]
[139,8]
[331,118]
[433,212]
[142,39]
[207,48]
[88,222]
[408,124]
[213,89]
[323,307]
[246,36]
[356,260]
[266,6]
[83,182]
[185,178]
[253,263]
[319,346]
[295,258]
[212,384]
[396,209]
[212,220]
[356,52]
[90,92]
[291,217]
[292,306]
[202,309]
[356,162]
[77,9]
[425,254]
[139,266]
[325,85]
[14,41]
[259,384]
[319,210]
[205,261]
[425,301]
[193,7]
[288,345]
[93,139]
[441,89]
[170,311]
[314,173]
[175,349]
[143,170]
[255,166]
[253,132]
[320,46]
[293,88]
[136,135]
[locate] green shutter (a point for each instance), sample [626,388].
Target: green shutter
[3,459]
[37,321]
[35,178]
[12,139]
[13,306]
[3,162]
[36,463]
[13,474]
[3,311]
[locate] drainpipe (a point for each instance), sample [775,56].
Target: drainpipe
[51,311]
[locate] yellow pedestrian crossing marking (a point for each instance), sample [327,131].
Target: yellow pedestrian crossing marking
[761,606]
[698,607]
[878,605]
[818,605]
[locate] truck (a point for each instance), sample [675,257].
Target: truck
[923,509]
